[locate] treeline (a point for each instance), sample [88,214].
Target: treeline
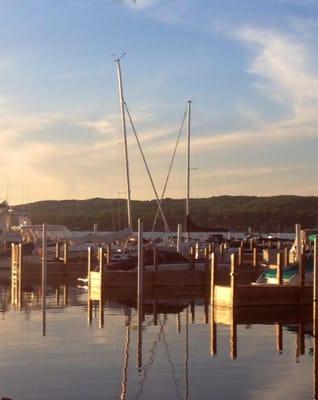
[237,213]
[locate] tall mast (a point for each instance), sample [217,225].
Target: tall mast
[188,167]
[123,123]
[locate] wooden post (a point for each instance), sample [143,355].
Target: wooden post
[13,274]
[221,252]
[251,244]
[286,256]
[240,256]
[315,367]
[279,338]
[298,252]
[140,271]
[233,334]
[178,323]
[57,250]
[213,332]
[65,295]
[57,295]
[233,277]
[65,257]
[179,233]
[89,269]
[315,288]
[109,254]
[213,277]
[44,268]
[101,285]
[19,270]
[301,338]
[192,256]
[280,272]
[155,313]
[255,260]
[302,265]
[192,308]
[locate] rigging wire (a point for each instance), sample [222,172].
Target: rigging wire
[169,170]
[167,228]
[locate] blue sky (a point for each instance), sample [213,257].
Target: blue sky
[251,68]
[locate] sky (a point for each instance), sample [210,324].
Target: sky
[250,68]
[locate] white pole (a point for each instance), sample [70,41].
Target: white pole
[188,166]
[123,122]
[179,238]
[44,267]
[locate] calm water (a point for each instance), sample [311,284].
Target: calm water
[77,359]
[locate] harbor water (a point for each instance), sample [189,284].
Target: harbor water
[86,355]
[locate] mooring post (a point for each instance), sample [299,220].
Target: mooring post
[315,367]
[233,336]
[13,274]
[89,269]
[279,338]
[140,276]
[19,262]
[213,269]
[109,253]
[255,260]
[240,256]
[57,250]
[222,252]
[192,256]
[65,257]
[315,288]
[251,244]
[65,295]
[233,278]
[179,233]
[192,309]
[301,338]
[209,248]
[299,255]
[178,323]
[279,271]
[213,332]
[101,285]
[286,256]
[155,312]
[44,268]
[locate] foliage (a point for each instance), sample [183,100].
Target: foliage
[276,213]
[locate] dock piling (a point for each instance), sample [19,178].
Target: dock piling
[179,233]
[233,276]
[44,268]
[315,288]
[279,273]
[140,272]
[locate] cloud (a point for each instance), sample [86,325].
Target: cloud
[283,66]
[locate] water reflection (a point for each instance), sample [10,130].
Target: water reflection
[180,328]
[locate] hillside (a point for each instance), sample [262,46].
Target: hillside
[276,213]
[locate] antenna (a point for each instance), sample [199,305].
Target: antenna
[117,59]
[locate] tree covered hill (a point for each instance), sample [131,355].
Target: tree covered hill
[275,213]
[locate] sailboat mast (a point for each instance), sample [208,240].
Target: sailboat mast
[188,166]
[123,122]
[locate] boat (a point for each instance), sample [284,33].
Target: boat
[290,274]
